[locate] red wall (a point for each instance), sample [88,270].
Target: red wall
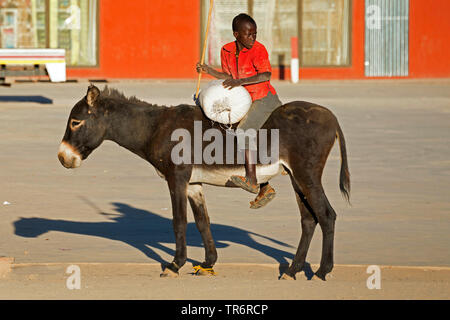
[146,39]
[429,52]
[161,39]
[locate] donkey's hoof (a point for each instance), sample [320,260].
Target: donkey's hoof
[318,277]
[285,276]
[201,271]
[167,273]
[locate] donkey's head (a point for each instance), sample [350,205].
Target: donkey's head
[85,131]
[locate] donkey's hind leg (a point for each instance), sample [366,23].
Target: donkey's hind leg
[309,223]
[327,225]
[322,212]
[198,205]
[317,200]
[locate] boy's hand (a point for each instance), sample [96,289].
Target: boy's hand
[231,83]
[202,68]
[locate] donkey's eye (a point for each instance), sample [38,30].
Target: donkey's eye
[74,124]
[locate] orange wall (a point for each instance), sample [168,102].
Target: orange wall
[429,52]
[146,39]
[161,39]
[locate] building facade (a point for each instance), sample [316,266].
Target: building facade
[162,39]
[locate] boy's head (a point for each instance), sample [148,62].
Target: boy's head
[244,30]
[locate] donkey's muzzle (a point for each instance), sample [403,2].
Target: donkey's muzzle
[68,156]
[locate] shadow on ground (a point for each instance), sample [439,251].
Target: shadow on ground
[146,231]
[36,99]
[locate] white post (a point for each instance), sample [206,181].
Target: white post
[56,71]
[294,60]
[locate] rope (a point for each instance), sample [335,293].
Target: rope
[208,270]
[220,107]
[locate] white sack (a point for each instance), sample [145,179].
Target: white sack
[223,105]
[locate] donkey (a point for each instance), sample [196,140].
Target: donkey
[307,133]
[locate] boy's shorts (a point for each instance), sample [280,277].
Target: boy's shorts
[257,115]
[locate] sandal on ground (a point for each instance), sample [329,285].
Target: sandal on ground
[245,184]
[262,199]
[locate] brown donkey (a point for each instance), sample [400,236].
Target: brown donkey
[306,133]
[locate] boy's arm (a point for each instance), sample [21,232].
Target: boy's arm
[260,77]
[211,71]
[229,81]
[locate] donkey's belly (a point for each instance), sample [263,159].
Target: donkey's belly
[220,175]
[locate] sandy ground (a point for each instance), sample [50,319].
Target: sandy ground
[232,282]
[115,211]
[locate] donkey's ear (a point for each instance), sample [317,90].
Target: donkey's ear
[92,95]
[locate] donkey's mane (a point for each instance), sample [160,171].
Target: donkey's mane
[117,95]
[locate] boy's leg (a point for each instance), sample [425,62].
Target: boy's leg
[258,114]
[249,182]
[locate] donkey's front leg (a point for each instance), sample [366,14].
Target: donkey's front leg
[198,205]
[178,194]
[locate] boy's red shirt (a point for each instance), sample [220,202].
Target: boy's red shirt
[250,63]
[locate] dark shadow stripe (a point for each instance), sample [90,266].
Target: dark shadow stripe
[37,99]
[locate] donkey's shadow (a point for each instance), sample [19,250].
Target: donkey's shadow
[146,231]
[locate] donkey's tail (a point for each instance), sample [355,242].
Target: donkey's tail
[344,177]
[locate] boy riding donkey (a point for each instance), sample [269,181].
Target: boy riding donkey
[245,62]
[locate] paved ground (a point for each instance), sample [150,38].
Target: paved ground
[115,209]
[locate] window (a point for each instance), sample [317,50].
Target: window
[73,26]
[22,24]
[65,24]
[324,35]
